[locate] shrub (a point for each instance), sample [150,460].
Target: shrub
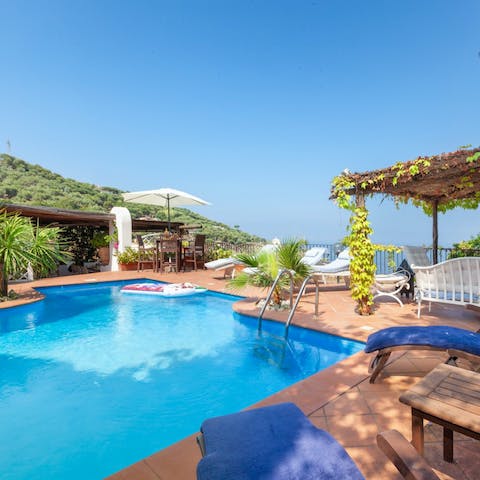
[100,239]
[466,248]
[216,253]
[129,255]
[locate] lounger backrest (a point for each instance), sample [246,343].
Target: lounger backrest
[268,248]
[313,255]
[416,256]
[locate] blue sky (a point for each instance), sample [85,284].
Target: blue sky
[252,105]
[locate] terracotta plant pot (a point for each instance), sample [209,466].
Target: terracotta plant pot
[103,254]
[127,266]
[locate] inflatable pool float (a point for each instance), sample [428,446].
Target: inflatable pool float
[164,290]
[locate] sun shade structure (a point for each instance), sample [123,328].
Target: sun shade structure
[58,217]
[164,197]
[437,183]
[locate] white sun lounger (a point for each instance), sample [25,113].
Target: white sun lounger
[226,264]
[314,256]
[229,264]
[311,257]
[340,267]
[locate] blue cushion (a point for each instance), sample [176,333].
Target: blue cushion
[441,337]
[272,443]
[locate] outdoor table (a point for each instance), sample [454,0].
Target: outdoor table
[177,253]
[450,397]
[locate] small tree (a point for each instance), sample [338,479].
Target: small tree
[22,244]
[266,265]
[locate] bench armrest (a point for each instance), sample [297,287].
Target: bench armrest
[403,455]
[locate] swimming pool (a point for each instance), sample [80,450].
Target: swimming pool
[92,380]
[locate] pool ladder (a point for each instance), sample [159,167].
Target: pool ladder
[293,307]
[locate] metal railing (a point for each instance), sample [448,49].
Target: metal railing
[250,247]
[386,262]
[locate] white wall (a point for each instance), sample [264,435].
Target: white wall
[123,223]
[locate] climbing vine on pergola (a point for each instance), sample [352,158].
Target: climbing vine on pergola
[436,184]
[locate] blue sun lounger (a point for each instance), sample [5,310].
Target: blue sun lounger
[271,443]
[458,342]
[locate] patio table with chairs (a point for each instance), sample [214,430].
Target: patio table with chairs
[173,252]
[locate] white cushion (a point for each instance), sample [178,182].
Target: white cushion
[221,263]
[313,256]
[344,254]
[338,265]
[390,277]
[268,248]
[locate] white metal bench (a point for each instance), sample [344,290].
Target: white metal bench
[455,281]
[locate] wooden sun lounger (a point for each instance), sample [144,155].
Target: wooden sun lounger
[256,442]
[457,342]
[403,455]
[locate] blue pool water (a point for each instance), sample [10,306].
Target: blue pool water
[92,380]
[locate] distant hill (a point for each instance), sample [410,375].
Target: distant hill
[27,184]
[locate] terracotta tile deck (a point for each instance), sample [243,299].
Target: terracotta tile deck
[339,399]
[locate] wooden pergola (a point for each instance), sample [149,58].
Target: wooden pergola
[59,217]
[437,183]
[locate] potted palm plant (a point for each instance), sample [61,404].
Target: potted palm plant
[264,268]
[23,244]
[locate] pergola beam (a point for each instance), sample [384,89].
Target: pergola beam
[440,181]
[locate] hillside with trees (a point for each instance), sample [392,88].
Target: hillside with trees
[27,184]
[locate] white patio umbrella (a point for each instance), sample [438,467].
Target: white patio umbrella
[164,197]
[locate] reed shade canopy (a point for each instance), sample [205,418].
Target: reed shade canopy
[164,197]
[436,183]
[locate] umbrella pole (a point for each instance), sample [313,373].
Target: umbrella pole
[168,212]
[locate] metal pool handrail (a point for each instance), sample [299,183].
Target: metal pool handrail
[282,272]
[297,301]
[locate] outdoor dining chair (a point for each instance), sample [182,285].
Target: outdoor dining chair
[145,254]
[194,254]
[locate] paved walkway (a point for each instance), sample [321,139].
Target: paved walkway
[339,399]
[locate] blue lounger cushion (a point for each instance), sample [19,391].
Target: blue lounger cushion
[272,443]
[441,337]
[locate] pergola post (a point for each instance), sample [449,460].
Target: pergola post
[360,200]
[435,231]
